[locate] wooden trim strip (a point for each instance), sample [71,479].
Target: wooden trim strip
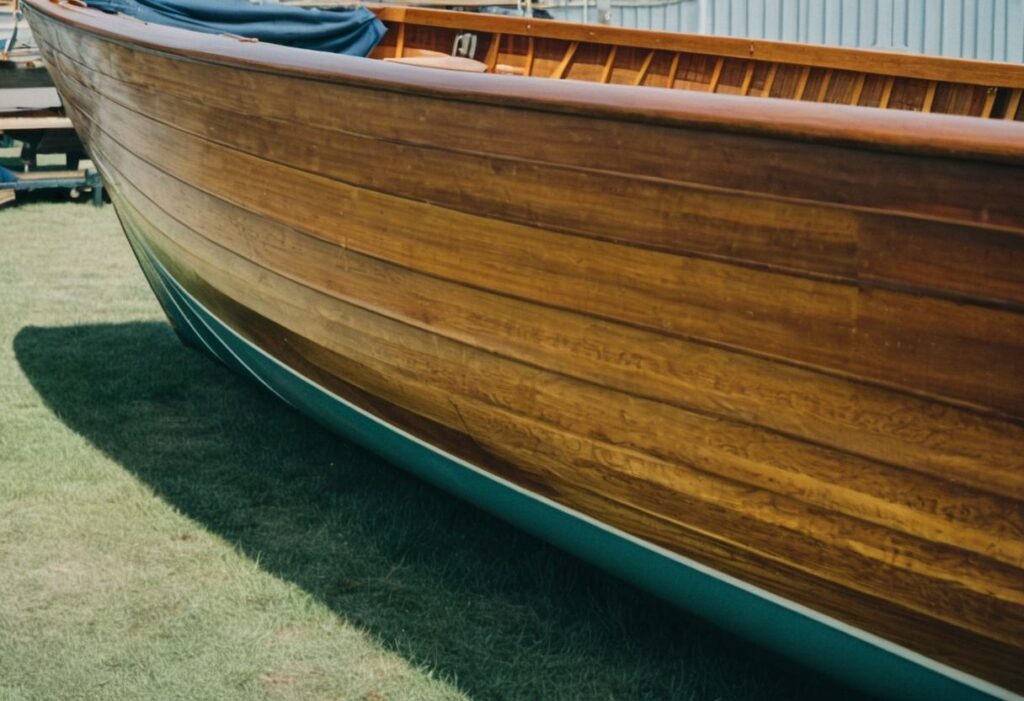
[883,103]
[609,63]
[801,85]
[769,81]
[990,101]
[823,90]
[644,67]
[563,65]
[716,75]
[929,97]
[858,88]
[528,66]
[400,41]
[493,52]
[748,76]
[673,70]
[1013,105]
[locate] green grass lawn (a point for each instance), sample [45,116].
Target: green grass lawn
[169,530]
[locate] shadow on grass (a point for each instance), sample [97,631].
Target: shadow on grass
[441,583]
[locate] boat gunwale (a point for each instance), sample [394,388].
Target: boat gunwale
[939,135]
[844,58]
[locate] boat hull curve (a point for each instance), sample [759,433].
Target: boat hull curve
[864,661]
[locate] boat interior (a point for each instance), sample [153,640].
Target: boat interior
[538,48]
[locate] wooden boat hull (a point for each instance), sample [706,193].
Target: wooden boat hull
[821,642]
[775,390]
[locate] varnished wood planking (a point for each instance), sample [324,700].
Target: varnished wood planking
[799,236]
[878,128]
[985,192]
[843,414]
[838,327]
[556,459]
[679,218]
[865,489]
[317,254]
[854,246]
[334,325]
[966,650]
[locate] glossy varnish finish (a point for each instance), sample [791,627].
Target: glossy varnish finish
[720,65]
[783,339]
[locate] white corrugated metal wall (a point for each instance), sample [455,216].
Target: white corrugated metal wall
[985,29]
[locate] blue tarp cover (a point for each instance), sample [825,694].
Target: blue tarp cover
[7,176]
[344,31]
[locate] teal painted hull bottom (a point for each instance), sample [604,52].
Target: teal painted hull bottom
[858,658]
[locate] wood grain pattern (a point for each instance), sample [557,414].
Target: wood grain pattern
[864,435]
[708,336]
[815,322]
[254,239]
[327,366]
[278,298]
[871,181]
[887,63]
